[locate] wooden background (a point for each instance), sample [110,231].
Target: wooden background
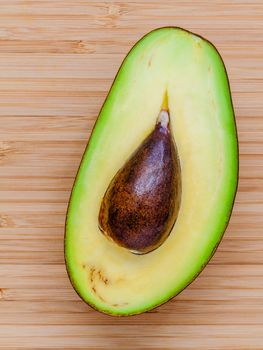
[57,62]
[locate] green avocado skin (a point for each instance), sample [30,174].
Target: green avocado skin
[72,212]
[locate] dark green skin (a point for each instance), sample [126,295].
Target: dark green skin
[141,204]
[212,253]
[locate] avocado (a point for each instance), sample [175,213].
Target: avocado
[157,181]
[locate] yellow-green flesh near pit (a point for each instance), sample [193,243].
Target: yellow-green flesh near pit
[111,278]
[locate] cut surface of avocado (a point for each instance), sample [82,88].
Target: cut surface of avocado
[107,276]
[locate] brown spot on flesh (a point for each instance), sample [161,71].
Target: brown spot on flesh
[102,299]
[92,276]
[97,294]
[92,271]
[120,305]
[96,276]
[103,278]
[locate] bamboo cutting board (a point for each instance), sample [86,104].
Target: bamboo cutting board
[57,62]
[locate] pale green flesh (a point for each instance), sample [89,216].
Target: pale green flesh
[203,125]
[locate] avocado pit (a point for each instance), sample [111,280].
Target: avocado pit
[141,203]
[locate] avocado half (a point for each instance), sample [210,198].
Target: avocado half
[189,68]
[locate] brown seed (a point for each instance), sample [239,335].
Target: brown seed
[142,201]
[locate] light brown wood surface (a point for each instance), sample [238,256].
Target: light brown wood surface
[57,62]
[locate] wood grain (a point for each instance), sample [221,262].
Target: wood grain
[57,62]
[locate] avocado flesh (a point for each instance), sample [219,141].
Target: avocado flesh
[105,275]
